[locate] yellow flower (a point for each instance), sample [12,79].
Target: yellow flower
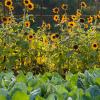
[56,18]
[74,17]
[63,18]
[64,6]
[54,37]
[8,3]
[55,10]
[83,5]
[48,26]
[72,24]
[94,45]
[27,24]
[11,8]
[30,6]
[41,60]
[85,26]
[26,2]
[30,37]
[90,19]
[78,13]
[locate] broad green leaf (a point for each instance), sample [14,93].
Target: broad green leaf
[18,95]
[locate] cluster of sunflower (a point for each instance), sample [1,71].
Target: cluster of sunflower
[76,48]
[9,5]
[28,4]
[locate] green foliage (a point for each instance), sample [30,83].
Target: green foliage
[50,86]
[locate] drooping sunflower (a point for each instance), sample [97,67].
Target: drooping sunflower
[64,6]
[54,37]
[27,24]
[56,18]
[30,6]
[26,2]
[55,10]
[83,5]
[71,24]
[8,3]
[90,19]
[94,46]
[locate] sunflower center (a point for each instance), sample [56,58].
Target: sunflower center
[26,2]
[75,47]
[8,3]
[95,45]
[30,6]
[30,36]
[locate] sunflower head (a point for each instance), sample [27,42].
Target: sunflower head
[30,37]
[26,2]
[83,5]
[74,17]
[71,24]
[63,18]
[54,37]
[48,26]
[27,24]
[56,18]
[90,19]
[94,45]
[8,3]
[55,10]
[30,6]
[64,6]
[11,8]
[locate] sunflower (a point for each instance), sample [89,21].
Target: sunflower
[4,19]
[9,19]
[95,17]
[41,60]
[71,24]
[11,8]
[48,26]
[30,37]
[90,19]
[74,17]
[63,18]
[56,18]
[98,16]
[8,3]
[78,13]
[64,6]
[30,6]
[83,5]
[82,20]
[45,41]
[86,26]
[55,10]
[94,45]
[26,2]
[27,24]
[54,37]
